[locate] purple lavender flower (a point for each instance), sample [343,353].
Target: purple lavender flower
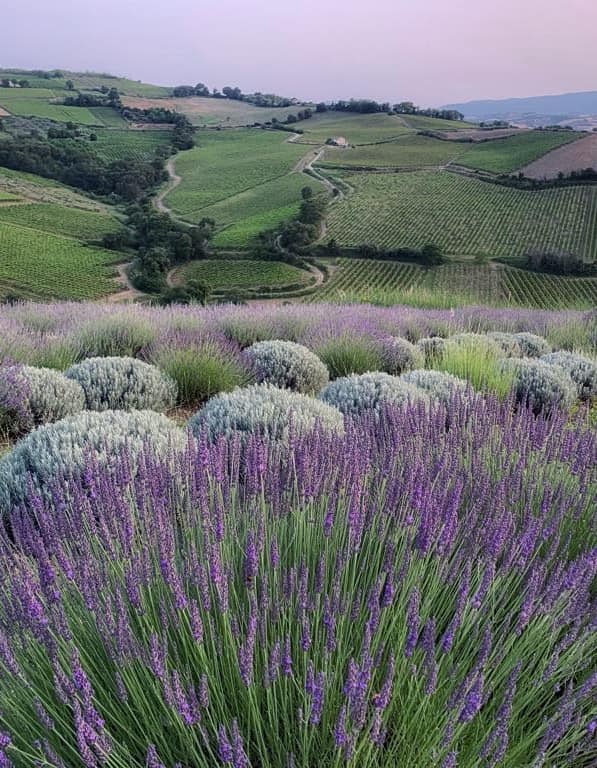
[412,618]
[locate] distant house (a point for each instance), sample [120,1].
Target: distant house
[337,141]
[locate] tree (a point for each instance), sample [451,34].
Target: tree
[307,193]
[201,90]
[432,255]
[70,86]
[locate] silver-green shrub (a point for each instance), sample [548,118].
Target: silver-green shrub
[532,345]
[400,355]
[439,385]
[288,366]
[471,340]
[581,370]
[264,410]
[432,348]
[507,342]
[123,384]
[540,385]
[353,395]
[54,452]
[50,395]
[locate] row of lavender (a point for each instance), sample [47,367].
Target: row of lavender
[418,590]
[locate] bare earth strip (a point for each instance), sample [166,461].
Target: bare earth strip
[577,156]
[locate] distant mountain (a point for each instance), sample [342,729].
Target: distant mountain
[534,109]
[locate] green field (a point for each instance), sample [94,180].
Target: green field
[89,81]
[408,152]
[46,266]
[450,285]
[41,190]
[35,102]
[59,220]
[514,152]
[137,145]
[355,128]
[422,123]
[7,196]
[464,215]
[243,274]
[108,117]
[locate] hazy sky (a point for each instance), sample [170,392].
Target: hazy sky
[428,51]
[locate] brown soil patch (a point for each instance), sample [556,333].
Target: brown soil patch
[4,113]
[577,156]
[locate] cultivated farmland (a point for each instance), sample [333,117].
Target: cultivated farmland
[136,145]
[408,152]
[463,215]
[355,128]
[222,274]
[513,152]
[577,156]
[37,102]
[60,220]
[354,275]
[422,123]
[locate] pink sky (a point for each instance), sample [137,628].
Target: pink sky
[428,51]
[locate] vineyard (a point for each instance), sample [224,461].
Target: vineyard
[422,123]
[463,215]
[37,102]
[108,117]
[450,285]
[355,128]
[222,274]
[408,152]
[509,154]
[59,220]
[227,163]
[134,145]
[46,266]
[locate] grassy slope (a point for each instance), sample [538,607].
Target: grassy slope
[356,129]
[509,154]
[464,215]
[421,123]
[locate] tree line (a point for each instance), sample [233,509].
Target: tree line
[258,99]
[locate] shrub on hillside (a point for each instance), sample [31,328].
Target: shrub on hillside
[439,385]
[399,355]
[123,383]
[581,370]
[539,385]
[265,410]
[432,348]
[356,394]
[287,365]
[52,454]
[532,345]
[113,336]
[201,364]
[50,396]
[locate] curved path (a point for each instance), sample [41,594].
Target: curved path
[130,293]
[173,181]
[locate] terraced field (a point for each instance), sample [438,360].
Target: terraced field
[47,266]
[137,145]
[356,129]
[514,152]
[223,274]
[407,152]
[464,215]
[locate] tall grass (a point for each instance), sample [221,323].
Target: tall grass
[479,363]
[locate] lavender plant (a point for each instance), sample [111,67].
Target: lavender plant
[509,343]
[15,416]
[50,395]
[263,409]
[123,383]
[287,365]
[437,384]
[532,345]
[581,370]
[540,385]
[399,356]
[373,600]
[432,348]
[355,395]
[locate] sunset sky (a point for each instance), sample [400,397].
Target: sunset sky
[428,51]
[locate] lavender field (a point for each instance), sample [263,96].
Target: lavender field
[297,536]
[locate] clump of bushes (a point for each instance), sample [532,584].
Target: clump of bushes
[581,370]
[399,355]
[113,336]
[49,396]
[201,364]
[287,365]
[539,385]
[262,409]
[509,343]
[123,383]
[432,348]
[532,345]
[353,395]
[52,454]
[439,385]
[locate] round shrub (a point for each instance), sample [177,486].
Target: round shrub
[123,383]
[432,347]
[508,343]
[264,410]
[532,345]
[401,356]
[437,384]
[540,385]
[581,370]
[53,453]
[353,395]
[50,396]
[288,366]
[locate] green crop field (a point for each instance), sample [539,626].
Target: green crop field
[88,81]
[514,152]
[464,215]
[408,152]
[533,289]
[353,275]
[355,128]
[42,265]
[36,102]
[422,123]
[108,117]
[223,274]
[60,220]
[137,145]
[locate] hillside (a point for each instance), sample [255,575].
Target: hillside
[552,108]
